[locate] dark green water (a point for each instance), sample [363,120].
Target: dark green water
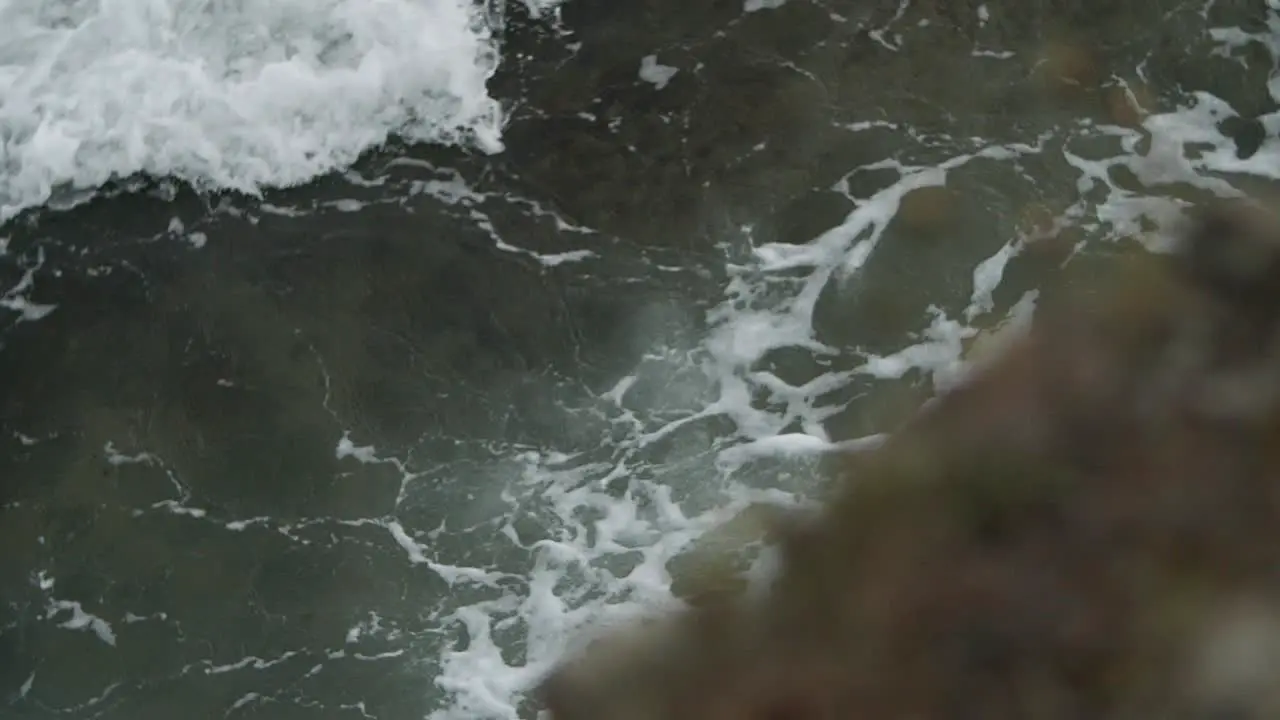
[357,454]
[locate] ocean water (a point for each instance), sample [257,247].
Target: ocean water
[360,358]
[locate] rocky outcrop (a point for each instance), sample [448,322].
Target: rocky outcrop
[1088,527]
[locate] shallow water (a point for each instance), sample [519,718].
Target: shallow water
[381,444]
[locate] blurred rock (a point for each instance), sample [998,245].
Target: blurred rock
[928,209]
[1086,528]
[1128,104]
[714,566]
[1064,65]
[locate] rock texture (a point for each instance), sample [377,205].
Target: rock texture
[1088,528]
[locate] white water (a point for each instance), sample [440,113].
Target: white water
[242,94]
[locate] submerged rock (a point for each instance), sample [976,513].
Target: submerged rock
[1089,526]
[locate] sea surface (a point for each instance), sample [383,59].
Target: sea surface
[359,357]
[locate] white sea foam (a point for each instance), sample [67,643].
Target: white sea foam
[574,588]
[239,95]
[81,620]
[758,5]
[651,71]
